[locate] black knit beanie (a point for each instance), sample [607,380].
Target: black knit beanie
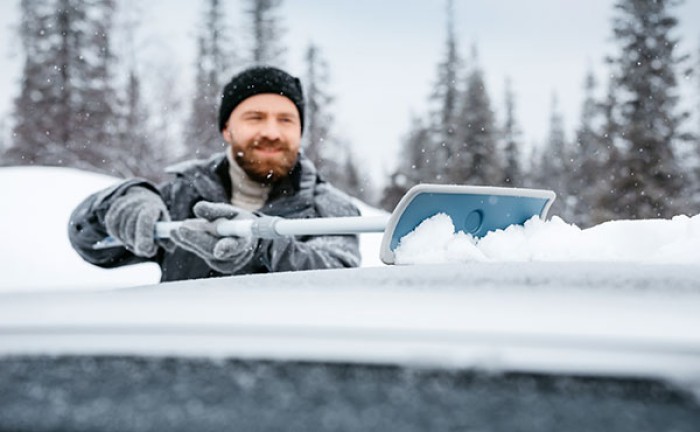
[257,80]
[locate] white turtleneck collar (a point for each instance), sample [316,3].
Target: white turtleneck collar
[245,193]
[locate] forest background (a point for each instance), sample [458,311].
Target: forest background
[96,90]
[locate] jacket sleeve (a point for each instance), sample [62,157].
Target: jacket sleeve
[86,227]
[315,252]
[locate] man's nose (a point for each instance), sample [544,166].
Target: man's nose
[271,130]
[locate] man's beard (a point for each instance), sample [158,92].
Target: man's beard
[265,170]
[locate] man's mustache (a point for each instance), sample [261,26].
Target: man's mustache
[269,145]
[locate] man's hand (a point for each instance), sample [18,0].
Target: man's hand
[223,254]
[132,219]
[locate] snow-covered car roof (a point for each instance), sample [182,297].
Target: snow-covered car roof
[586,319]
[502,347]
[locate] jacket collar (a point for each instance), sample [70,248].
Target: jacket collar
[212,181]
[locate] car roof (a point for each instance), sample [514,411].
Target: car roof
[588,319]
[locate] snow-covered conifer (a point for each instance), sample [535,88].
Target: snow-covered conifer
[587,157]
[513,174]
[213,68]
[266,32]
[651,181]
[65,112]
[331,155]
[474,157]
[445,104]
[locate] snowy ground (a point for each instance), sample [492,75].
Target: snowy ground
[36,254]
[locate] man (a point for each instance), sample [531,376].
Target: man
[262,173]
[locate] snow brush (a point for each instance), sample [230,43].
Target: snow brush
[474,210]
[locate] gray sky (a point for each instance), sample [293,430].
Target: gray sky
[383,56]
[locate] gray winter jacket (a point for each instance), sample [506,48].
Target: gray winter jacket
[302,195]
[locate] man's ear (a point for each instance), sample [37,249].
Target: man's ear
[228,137]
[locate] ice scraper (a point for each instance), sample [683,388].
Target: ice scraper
[475,210]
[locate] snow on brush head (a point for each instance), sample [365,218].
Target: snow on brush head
[435,241]
[657,241]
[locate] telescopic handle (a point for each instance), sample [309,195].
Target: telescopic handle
[270,227]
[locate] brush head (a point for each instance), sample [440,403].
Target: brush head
[474,210]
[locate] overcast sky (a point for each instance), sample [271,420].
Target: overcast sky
[383,55]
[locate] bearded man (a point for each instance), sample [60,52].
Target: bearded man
[262,173]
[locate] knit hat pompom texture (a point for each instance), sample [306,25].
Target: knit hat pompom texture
[258,80]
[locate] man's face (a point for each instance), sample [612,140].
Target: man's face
[264,132]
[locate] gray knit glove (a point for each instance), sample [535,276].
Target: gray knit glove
[132,219]
[224,254]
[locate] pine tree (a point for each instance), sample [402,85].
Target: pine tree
[416,153]
[695,157]
[445,99]
[651,182]
[133,134]
[32,124]
[554,163]
[331,155]
[144,153]
[433,142]
[697,80]
[266,32]
[475,158]
[213,64]
[512,172]
[415,161]
[697,103]
[166,112]
[3,138]
[140,151]
[65,112]
[318,115]
[354,183]
[349,177]
[604,195]
[697,106]
[586,158]
[87,25]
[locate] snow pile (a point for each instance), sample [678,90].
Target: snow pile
[35,252]
[658,241]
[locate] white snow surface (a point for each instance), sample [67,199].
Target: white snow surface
[658,241]
[35,252]
[620,319]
